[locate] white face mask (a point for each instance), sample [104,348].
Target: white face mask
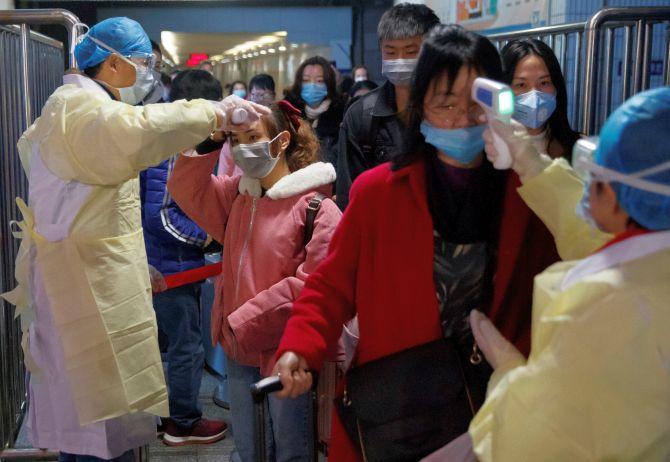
[360,78]
[399,71]
[255,159]
[144,79]
[144,83]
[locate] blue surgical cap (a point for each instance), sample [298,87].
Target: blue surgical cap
[122,34]
[636,137]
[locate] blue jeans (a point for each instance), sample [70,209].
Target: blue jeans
[288,423]
[66,457]
[178,315]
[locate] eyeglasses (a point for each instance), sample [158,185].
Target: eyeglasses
[454,113]
[146,61]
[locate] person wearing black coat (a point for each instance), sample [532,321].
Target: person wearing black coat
[314,93]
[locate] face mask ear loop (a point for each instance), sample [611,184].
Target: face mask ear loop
[271,142]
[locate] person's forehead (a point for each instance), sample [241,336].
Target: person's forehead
[313,69]
[402,42]
[461,83]
[532,64]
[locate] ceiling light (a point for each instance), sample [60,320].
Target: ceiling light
[294,45]
[263,52]
[271,50]
[282,48]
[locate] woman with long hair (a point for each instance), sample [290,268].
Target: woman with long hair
[530,67]
[314,92]
[424,241]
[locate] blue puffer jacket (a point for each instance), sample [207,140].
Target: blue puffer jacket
[174,242]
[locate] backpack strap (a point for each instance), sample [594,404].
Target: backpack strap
[368,126]
[312,210]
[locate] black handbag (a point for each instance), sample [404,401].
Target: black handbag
[405,406]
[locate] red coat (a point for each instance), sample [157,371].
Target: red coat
[380,266]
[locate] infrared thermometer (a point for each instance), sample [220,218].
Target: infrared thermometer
[497,99]
[239,116]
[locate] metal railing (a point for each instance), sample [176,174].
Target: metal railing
[636,45]
[31,69]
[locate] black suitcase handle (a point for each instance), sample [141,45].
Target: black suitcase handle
[259,392]
[265,386]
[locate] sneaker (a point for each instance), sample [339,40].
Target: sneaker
[203,432]
[161,426]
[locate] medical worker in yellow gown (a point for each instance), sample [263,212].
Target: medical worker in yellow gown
[84,291]
[596,386]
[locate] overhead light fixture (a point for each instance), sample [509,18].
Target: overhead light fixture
[263,52]
[294,45]
[255,53]
[271,50]
[282,48]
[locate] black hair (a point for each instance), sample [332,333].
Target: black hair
[406,20]
[369,84]
[195,83]
[345,85]
[262,81]
[155,47]
[232,86]
[93,71]
[166,80]
[446,50]
[558,126]
[328,78]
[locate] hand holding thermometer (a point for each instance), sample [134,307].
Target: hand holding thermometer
[497,99]
[239,116]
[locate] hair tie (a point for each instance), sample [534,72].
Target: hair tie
[292,113]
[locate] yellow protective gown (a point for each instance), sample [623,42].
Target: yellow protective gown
[597,383]
[82,270]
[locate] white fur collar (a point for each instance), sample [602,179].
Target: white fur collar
[304,180]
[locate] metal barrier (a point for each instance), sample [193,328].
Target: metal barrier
[592,77]
[32,68]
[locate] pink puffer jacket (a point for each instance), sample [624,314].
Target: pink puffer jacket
[264,261]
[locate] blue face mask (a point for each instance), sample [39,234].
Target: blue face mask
[313,93]
[461,144]
[241,93]
[534,108]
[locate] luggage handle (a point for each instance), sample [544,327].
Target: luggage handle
[272,384]
[259,391]
[265,386]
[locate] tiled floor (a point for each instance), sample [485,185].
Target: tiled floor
[219,452]
[158,452]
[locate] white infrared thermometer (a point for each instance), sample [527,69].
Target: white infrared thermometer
[497,99]
[239,116]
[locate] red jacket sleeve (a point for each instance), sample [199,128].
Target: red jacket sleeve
[327,300]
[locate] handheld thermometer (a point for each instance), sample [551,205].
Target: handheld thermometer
[239,116]
[497,99]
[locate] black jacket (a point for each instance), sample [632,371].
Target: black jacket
[371,134]
[328,128]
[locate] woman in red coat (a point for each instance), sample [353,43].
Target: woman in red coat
[423,242]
